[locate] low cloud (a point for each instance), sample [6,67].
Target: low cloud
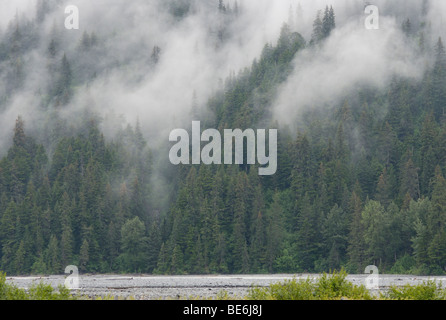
[126,86]
[351,57]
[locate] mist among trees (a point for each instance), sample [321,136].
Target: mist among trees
[84,172]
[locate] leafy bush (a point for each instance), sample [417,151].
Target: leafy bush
[335,286]
[10,292]
[288,290]
[39,291]
[327,287]
[44,291]
[426,291]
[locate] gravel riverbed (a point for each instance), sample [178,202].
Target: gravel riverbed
[148,287]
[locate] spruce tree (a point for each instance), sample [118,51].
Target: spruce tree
[328,22]
[318,29]
[239,233]
[63,87]
[356,244]
[439,80]
[274,232]
[53,262]
[308,238]
[67,239]
[438,218]
[84,256]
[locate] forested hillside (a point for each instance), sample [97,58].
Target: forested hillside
[359,182]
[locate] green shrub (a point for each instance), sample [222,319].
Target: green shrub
[44,291]
[336,286]
[39,291]
[10,292]
[426,291]
[288,290]
[327,287]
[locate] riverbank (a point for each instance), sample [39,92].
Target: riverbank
[149,287]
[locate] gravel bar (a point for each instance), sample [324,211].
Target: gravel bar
[148,287]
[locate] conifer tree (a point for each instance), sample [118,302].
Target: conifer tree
[19,139]
[407,27]
[63,87]
[20,259]
[410,181]
[156,54]
[383,189]
[221,6]
[176,264]
[328,22]
[438,218]
[318,29]
[162,263]
[84,256]
[275,232]
[257,246]
[239,234]
[307,235]
[356,244]
[334,232]
[153,246]
[439,80]
[53,256]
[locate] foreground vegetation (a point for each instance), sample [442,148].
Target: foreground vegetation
[333,286]
[362,182]
[39,291]
[327,287]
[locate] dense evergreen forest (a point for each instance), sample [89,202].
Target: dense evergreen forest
[362,183]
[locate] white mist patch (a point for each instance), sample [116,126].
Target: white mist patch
[191,61]
[437,18]
[352,56]
[9,9]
